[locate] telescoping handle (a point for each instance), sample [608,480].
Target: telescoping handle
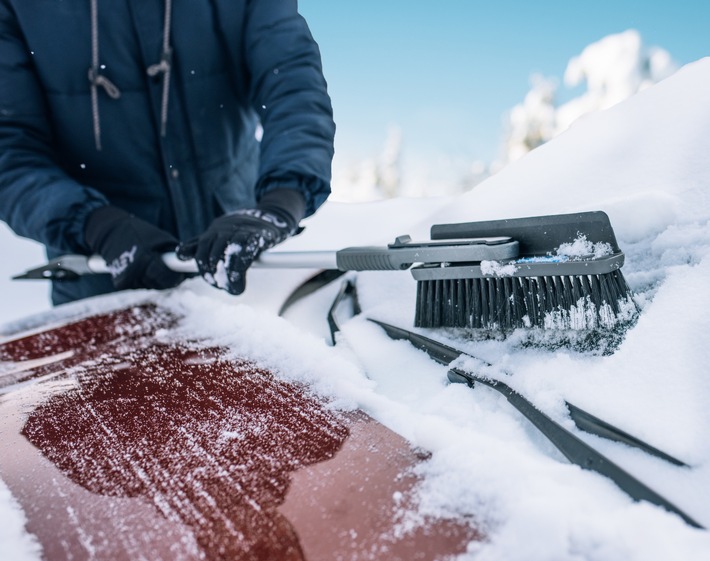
[397,256]
[69,267]
[401,254]
[267,260]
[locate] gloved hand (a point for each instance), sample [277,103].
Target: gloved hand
[131,248]
[233,241]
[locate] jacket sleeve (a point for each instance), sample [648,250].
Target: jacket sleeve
[37,199]
[289,93]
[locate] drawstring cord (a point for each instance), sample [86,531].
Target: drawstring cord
[164,67]
[96,79]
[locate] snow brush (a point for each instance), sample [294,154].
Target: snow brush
[397,256]
[553,272]
[566,276]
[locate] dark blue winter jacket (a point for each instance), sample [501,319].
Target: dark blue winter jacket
[67,148]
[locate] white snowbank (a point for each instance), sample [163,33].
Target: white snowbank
[643,161]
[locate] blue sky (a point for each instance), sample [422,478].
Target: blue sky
[447,71]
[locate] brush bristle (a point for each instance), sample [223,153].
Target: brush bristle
[505,303]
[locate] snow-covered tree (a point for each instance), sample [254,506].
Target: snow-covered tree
[613,69]
[532,122]
[389,176]
[373,178]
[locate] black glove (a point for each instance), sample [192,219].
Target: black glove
[233,241]
[131,248]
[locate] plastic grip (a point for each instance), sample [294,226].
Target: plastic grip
[369,259]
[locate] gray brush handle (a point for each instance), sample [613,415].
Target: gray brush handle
[404,252]
[267,260]
[397,256]
[350,259]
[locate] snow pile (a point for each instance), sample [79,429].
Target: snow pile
[643,161]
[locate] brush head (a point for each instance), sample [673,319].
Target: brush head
[600,301]
[567,276]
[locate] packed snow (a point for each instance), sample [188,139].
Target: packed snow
[582,247]
[643,161]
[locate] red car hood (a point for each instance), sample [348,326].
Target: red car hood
[119,446]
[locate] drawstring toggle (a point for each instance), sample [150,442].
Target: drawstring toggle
[164,66]
[96,79]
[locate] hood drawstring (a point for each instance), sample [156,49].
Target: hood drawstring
[97,79]
[164,67]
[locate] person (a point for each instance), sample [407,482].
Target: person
[129,129]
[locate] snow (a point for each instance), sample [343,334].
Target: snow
[582,247]
[643,161]
[15,543]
